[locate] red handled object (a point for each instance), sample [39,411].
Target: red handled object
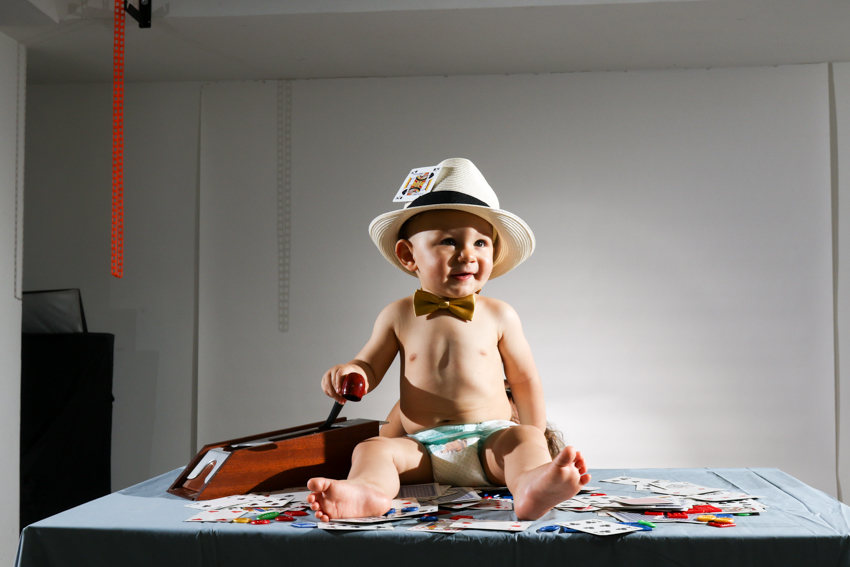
[353,389]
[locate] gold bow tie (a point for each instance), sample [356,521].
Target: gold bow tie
[425,303]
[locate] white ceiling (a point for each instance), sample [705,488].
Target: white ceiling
[267,39]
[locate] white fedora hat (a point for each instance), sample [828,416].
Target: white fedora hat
[460,186]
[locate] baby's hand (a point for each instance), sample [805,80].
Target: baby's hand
[332,380]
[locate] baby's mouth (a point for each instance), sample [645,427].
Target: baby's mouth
[463,276]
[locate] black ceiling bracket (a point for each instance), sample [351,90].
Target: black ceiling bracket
[142,13]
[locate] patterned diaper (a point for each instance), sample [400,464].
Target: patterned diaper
[456,451]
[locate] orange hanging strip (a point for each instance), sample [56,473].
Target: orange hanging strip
[118,142]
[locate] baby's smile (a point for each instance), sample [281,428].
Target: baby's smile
[463,276]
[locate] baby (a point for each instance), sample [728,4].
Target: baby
[456,350]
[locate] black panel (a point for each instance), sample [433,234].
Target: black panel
[66,421]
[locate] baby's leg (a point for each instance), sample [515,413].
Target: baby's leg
[518,456]
[378,465]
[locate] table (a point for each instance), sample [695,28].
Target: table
[143,525]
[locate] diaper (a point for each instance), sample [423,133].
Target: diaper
[456,451]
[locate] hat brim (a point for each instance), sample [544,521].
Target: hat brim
[515,241]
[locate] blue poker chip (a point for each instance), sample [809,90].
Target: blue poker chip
[566,530]
[428,518]
[410,509]
[549,529]
[304,525]
[723,515]
[390,511]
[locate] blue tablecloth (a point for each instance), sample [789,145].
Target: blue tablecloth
[143,525]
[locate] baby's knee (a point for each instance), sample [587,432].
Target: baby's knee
[524,434]
[373,445]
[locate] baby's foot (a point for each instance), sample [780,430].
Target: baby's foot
[333,499]
[540,489]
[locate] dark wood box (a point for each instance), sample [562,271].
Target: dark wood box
[301,454]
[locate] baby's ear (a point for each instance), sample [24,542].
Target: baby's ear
[404,253]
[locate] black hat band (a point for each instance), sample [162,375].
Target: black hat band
[446,198]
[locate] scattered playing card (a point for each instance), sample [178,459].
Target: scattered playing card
[420,491]
[676,488]
[492,525]
[601,501]
[398,514]
[634,517]
[457,495]
[630,480]
[492,504]
[722,496]
[224,502]
[741,507]
[599,527]
[440,526]
[647,501]
[225,515]
[353,527]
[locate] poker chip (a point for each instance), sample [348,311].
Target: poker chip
[305,525]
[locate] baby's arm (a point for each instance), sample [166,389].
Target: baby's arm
[520,370]
[372,361]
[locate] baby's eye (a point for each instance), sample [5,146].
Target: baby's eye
[481,243]
[448,241]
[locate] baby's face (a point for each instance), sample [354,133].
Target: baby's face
[451,252]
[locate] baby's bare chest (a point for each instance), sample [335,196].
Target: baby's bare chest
[445,339]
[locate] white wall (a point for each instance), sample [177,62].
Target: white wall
[687,213]
[683,274]
[841,171]
[12,105]
[150,310]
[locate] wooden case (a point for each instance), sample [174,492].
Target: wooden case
[281,459]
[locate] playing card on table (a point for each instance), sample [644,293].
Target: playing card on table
[492,504]
[589,489]
[722,496]
[635,517]
[741,507]
[599,527]
[224,515]
[492,525]
[398,514]
[676,488]
[647,501]
[271,499]
[224,502]
[601,501]
[457,495]
[420,491]
[298,493]
[575,506]
[440,526]
[354,527]
[631,481]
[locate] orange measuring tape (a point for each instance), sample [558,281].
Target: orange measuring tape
[118,142]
